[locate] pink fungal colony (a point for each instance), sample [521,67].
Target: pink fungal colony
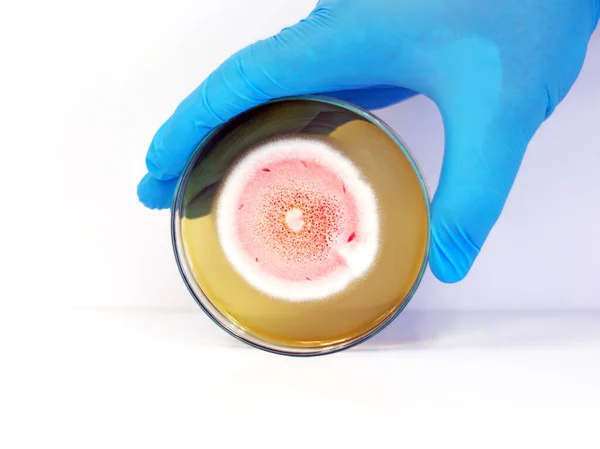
[297,221]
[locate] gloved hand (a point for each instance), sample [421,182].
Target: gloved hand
[495,69]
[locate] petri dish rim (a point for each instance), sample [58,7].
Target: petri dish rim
[228,324]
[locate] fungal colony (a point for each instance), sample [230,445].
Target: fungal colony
[297,220]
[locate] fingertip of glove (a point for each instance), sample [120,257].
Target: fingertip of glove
[443,269]
[150,193]
[452,256]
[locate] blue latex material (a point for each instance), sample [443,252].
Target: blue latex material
[495,69]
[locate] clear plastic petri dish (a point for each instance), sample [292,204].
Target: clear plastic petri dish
[302,226]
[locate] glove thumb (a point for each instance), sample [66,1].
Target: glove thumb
[484,147]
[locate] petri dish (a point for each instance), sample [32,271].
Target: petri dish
[302,226]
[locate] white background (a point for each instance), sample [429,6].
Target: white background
[98,335]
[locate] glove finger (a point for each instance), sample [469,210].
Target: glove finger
[484,150]
[290,63]
[156,194]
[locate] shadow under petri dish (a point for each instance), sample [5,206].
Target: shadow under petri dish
[302,316]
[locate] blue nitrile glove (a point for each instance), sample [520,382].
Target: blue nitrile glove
[495,69]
